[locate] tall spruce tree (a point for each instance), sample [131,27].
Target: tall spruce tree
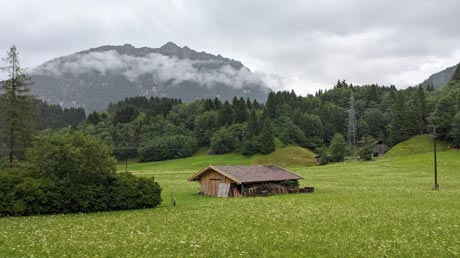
[403,122]
[443,115]
[253,124]
[454,134]
[18,116]
[420,108]
[267,138]
[239,110]
[456,75]
[271,107]
[225,114]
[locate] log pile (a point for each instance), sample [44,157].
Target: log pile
[267,189]
[307,189]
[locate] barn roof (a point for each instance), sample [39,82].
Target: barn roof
[250,174]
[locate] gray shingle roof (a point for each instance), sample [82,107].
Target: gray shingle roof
[250,174]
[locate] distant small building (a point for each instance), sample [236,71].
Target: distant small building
[235,181]
[318,159]
[379,148]
[326,159]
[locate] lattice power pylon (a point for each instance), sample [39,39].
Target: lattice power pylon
[351,136]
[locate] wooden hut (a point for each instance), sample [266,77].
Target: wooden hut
[379,148]
[234,181]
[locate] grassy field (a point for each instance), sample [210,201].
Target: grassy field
[287,156]
[382,208]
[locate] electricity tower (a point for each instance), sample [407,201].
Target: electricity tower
[351,137]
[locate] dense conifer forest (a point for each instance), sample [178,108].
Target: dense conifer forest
[162,128]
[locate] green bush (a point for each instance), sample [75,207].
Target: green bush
[69,173]
[227,139]
[23,195]
[130,192]
[289,133]
[365,152]
[168,147]
[338,148]
[251,146]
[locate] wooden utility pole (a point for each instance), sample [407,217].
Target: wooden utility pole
[436,186]
[126,160]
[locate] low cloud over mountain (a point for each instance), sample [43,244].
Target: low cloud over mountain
[95,77]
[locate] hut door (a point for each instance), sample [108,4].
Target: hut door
[224,189]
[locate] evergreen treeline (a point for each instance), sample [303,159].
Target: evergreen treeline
[162,128]
[54,116]
[446,115]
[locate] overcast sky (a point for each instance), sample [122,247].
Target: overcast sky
[310,44]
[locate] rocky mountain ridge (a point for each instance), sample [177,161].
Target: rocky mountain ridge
[95,77]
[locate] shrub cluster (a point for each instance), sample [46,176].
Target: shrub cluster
[69,173]
[168,147]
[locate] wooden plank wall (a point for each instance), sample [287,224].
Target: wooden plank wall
[210,182]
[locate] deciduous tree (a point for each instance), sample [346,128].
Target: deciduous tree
[338,147]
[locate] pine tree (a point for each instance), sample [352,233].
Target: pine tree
[18,116]
[217,104]
[454,134]
[403,122]
[267,138]
[443,115]
[248,104]
[253,123]
[239,110]
[430,87]
[421,109]
[456,75]
[94,118]
[125,114]
[366,148]
[225,114]
[271,106]
[208,105]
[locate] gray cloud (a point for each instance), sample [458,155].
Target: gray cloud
[306,44]
[161,68]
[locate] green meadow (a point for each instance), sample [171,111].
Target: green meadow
[381,208]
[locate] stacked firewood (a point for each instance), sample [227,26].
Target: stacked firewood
[265,189]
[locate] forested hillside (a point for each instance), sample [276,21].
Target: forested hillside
[162,128]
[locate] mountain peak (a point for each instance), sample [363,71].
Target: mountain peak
[170,49]
[127,45]
[170,44]
[95,77]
